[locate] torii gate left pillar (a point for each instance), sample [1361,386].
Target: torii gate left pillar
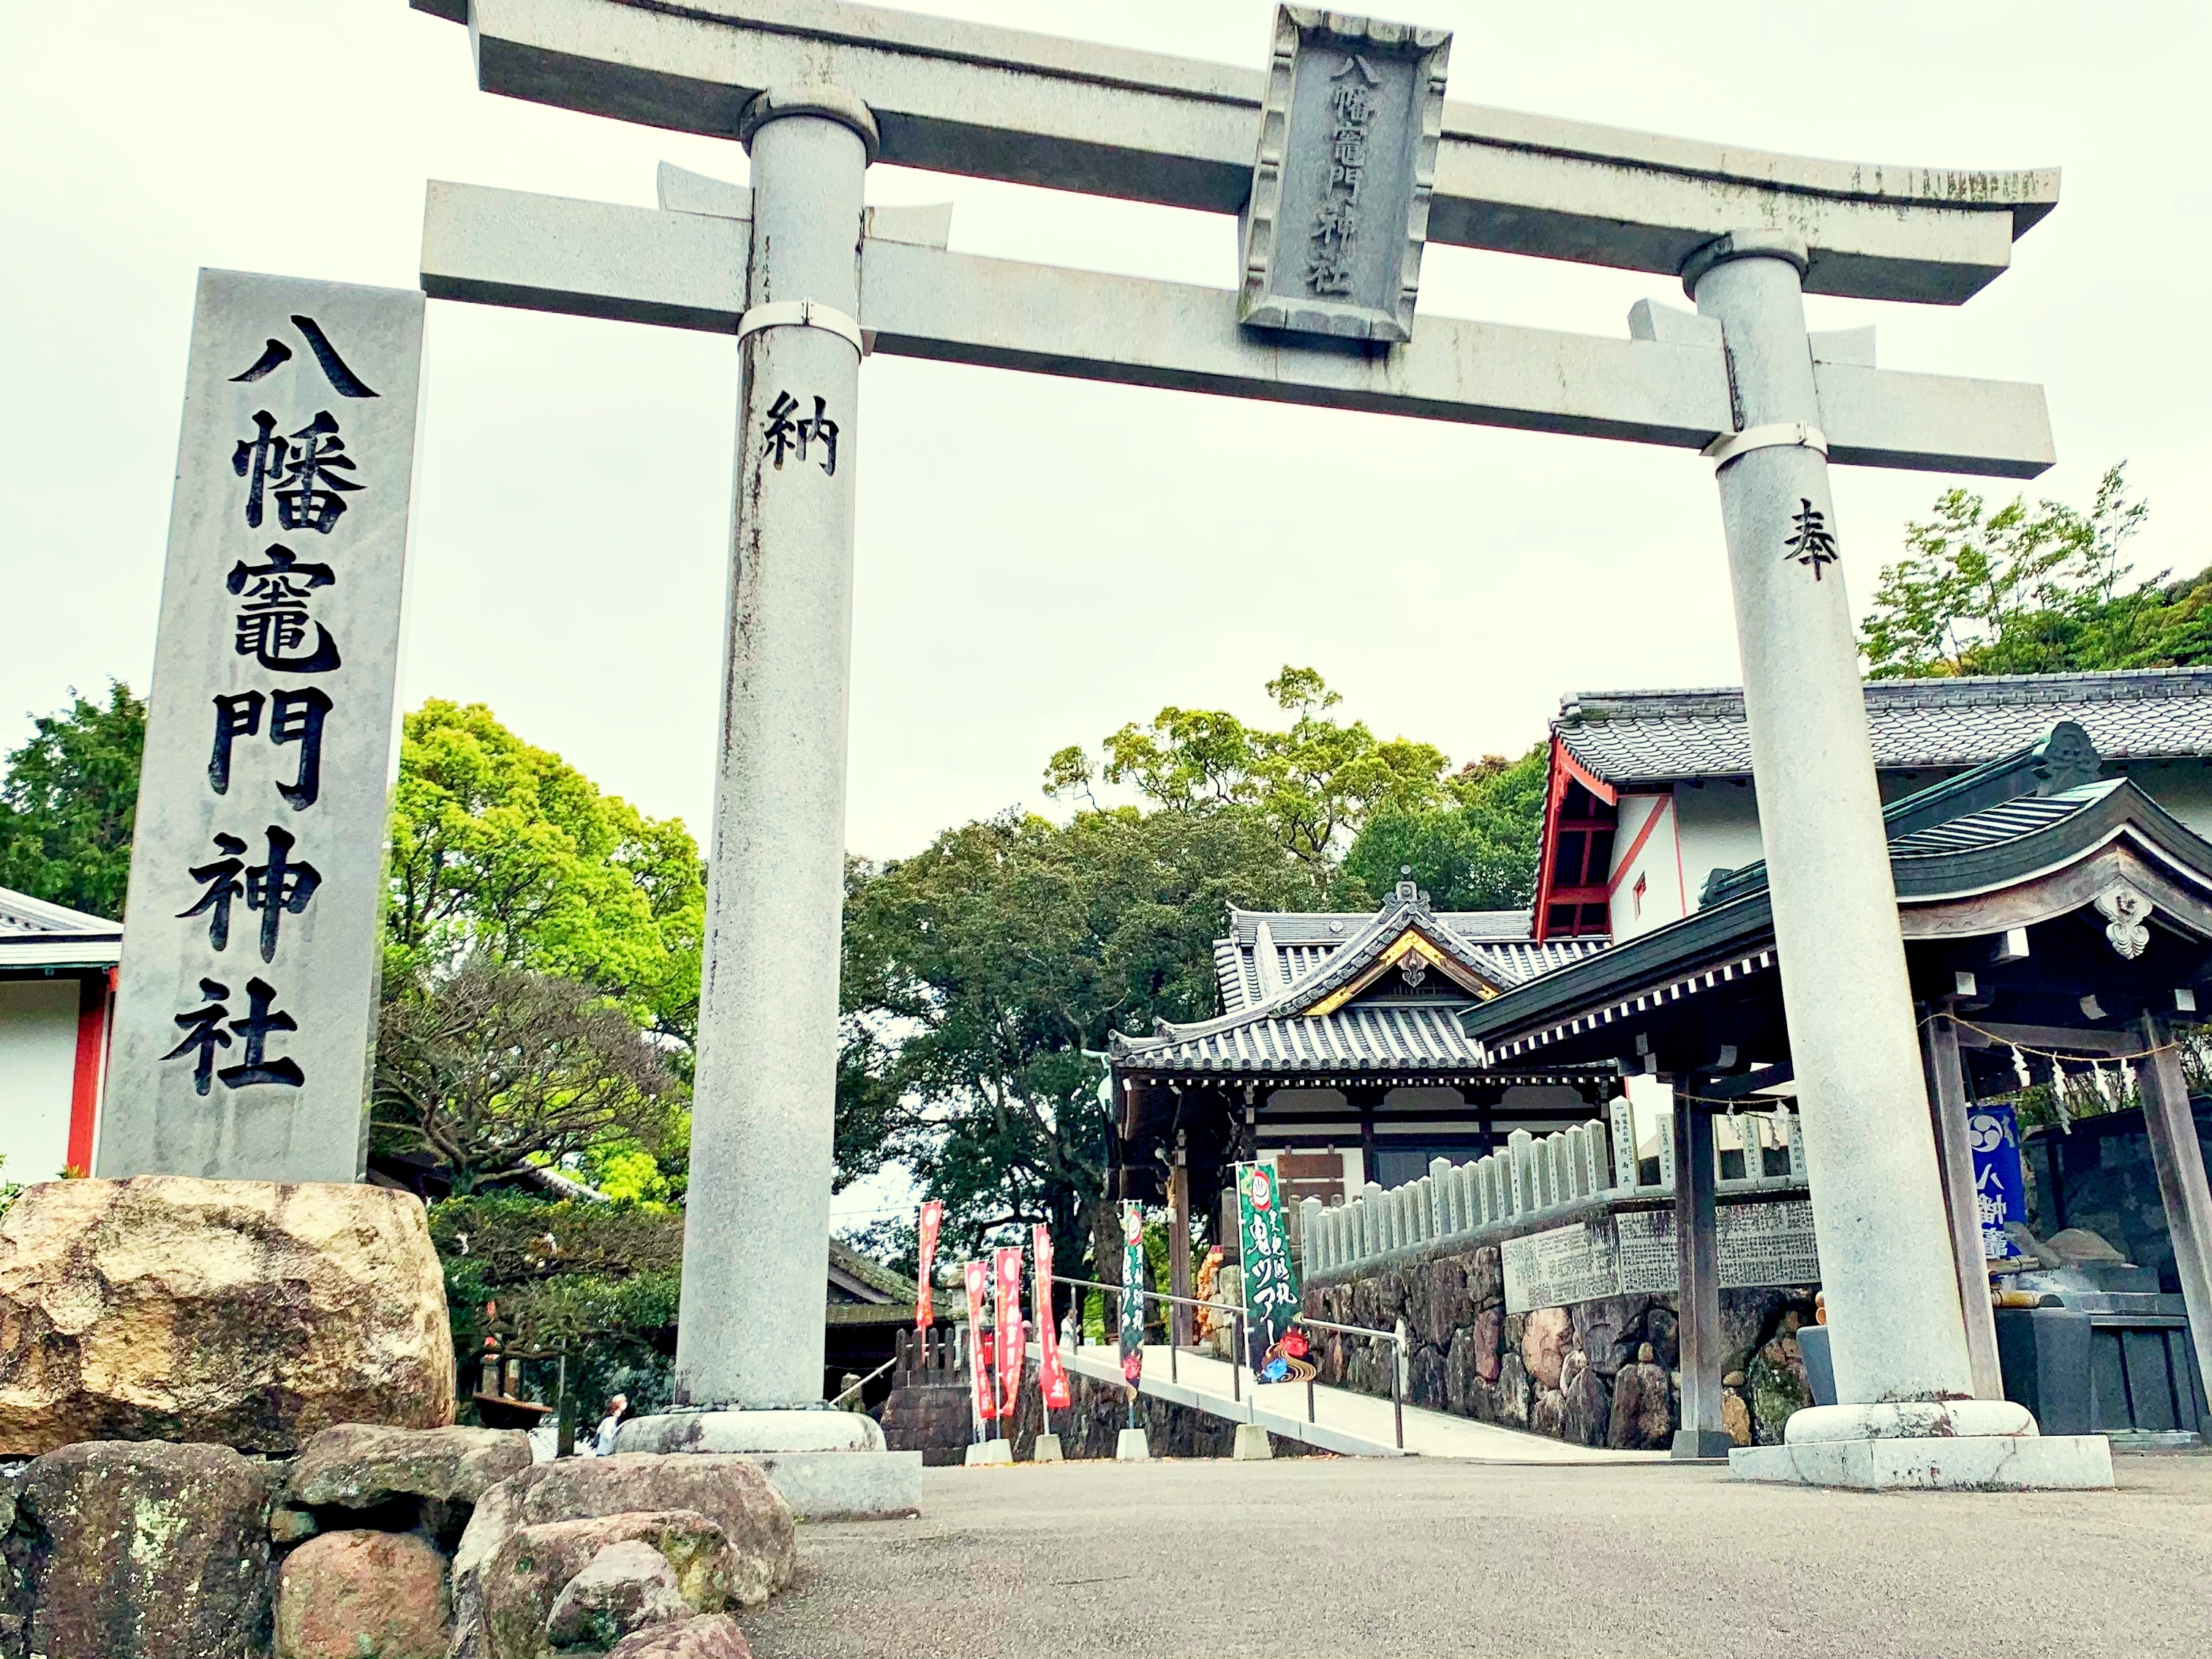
[748,1356]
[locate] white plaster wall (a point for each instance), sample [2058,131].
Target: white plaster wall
[1657,863]
[1718,823]
[37,1068]
[2182,787]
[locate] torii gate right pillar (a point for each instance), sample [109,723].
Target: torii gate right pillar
[1903,1373]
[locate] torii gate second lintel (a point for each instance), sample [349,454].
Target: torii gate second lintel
[817,89]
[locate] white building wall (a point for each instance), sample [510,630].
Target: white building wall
[1648,886]
[1718,823]
[38,1071]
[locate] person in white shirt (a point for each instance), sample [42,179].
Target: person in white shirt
[603,1440]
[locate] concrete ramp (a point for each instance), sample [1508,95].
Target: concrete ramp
[1353,1425]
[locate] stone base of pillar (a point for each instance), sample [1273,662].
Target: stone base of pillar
[827,1465]
[1693,1444]
[984,1453]
[1129,1447]
[1931,1446]
[1989,1462]
[1047,1449]
[1252,1445]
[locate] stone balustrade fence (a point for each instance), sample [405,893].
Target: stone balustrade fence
[1533,1173]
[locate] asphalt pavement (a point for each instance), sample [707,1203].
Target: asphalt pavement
[1336,1556]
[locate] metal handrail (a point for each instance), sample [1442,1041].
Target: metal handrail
[1236,1374]
[865,1380]
[1396,1336]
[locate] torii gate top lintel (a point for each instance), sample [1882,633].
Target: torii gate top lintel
[987,102]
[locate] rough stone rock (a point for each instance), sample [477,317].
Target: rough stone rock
[1546,1334]
[1489,1327]
[1513,1393]
[1608,1330]
[360,1466]
[1748,1317]
[1485,1278]
[1586,1409]
[626,1587]
[1547,1415]
[1777,1387]
[523,1583]
[1425,1378]
[1735,1418]
[289,1526]
[713,1638]
[140,1550]
[348,1593]
[1438,1304]
[1643,1417]
[1459,1374]
[1659,1329]
[728,1491]
[238,1313]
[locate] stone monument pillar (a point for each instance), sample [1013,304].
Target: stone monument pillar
[749,1360]
[1902,1371]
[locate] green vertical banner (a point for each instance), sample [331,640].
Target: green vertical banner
[1271,1282]
[1133,1305]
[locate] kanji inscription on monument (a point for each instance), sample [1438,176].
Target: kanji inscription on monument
[1348,137]
[250,949]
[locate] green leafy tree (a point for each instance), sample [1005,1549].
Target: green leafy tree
[68,802]
[2030,591]
[1477,852]
[496,1070]
[503,850]
[1312,783]
[985,967]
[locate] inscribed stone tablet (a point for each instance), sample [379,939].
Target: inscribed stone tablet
[1340,205]
[1767,1244]
[1559,1266]
[249,974]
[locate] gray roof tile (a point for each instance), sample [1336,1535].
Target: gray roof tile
[1652,736]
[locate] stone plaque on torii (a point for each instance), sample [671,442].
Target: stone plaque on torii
[1342,160]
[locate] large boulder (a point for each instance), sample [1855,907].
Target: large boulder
[348,1593]
[716,1637]
[141,1551]
[398,1478]
[731,1491]
[524,1584]
[627,1587]
[240,1313]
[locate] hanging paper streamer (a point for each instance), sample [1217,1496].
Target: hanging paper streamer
[979,1342]
[932,1218]
[1010,1344]
[1052,1371]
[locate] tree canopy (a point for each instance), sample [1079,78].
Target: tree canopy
[982,974]
[1476,851]
[503,850]
[67,802]
[2035,590]
[1312,783]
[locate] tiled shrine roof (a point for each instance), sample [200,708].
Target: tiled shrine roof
[1276,966]
[1653,736]
[36,934]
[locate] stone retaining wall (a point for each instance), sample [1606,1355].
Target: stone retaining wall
[1578,1373]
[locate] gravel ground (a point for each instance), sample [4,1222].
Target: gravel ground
[1340,1556]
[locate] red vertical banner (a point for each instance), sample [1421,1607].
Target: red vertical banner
[1011,1344]
[977,1274]
[1052,1373]
[925,1306]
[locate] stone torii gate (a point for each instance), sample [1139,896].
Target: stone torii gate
[1342,158]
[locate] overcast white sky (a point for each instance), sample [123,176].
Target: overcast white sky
[1039,559]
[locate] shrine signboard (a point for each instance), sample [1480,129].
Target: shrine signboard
[1348,134]
[248,988]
